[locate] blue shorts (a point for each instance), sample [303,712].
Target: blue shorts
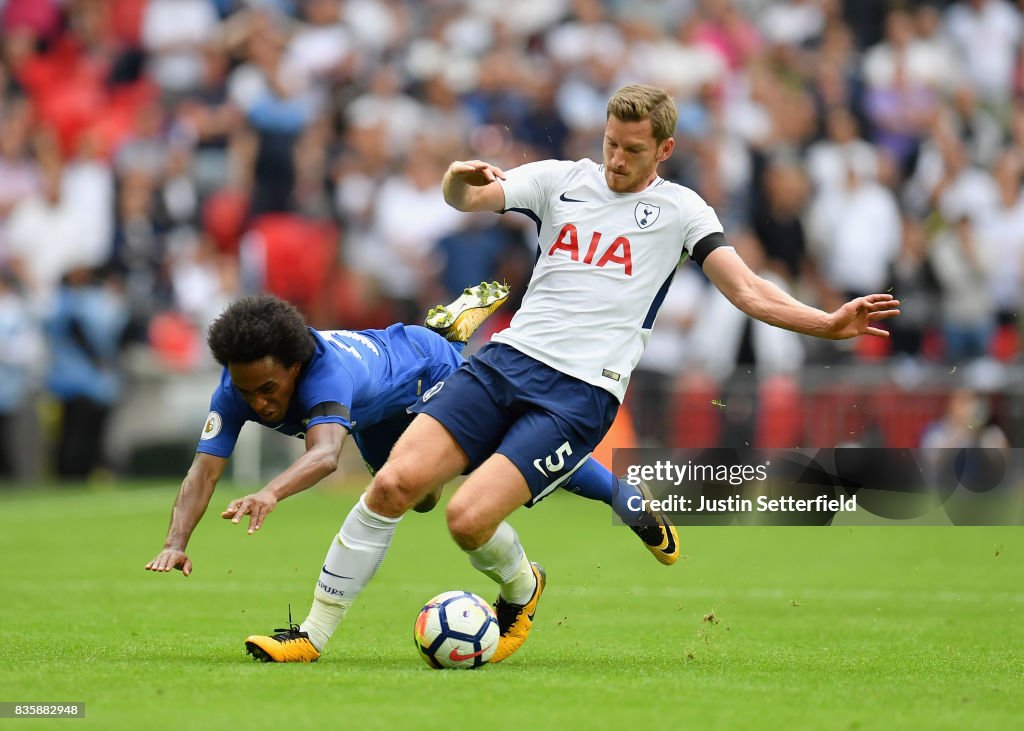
[441,359]
[375,442]
[504,402]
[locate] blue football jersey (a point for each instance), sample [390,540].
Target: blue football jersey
[373,375]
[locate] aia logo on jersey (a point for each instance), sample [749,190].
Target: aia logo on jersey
[616,252]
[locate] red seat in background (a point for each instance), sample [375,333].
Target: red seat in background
[1005,344]
[779,414]
[224,214]
[695,421]
[298,258]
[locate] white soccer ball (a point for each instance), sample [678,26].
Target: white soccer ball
[456,629]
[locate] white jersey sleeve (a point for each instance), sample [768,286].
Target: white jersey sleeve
[697,220]
[528,187]
[604,265]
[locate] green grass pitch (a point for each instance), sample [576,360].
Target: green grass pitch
[756,628]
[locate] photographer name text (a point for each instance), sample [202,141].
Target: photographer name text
[740,504]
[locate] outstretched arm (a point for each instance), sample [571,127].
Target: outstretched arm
[472,186]
[764,301]
[189,507]
[323,450]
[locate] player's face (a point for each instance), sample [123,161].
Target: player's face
[631,154]
[266,385]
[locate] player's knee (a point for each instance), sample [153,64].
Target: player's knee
[464,524]
[392,492]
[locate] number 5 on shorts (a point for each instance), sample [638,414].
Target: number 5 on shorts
[554,462]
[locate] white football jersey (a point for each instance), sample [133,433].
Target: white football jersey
[605,263]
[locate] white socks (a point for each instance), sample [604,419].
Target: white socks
[503,560]
[351,562]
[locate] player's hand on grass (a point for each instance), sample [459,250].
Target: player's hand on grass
[475,172]
[857,317]
[171,558]
[257,506]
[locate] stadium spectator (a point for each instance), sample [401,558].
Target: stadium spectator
[174,33]
[779,226]
[721,165]
[84,332]
[930,35]
[902,52]
[20,357]
[797,23]
[88,186]
[19,171]
[207,119]
[961,185]
[406,225]
[204,281]
[139,252]
[320,47]
[479,248]
[900,112]
[975,125]
[968,312]
[856,233]
[586,33]
[278,109]
[987,37]
[915,283]
[44,234]
[386,102]
[1001,233]
[827,159]
[866,20]
[967,422]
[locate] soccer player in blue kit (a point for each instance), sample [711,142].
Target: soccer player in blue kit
[525,412]
[322,386]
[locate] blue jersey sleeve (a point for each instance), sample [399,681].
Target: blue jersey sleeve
[325,393]
[224,422]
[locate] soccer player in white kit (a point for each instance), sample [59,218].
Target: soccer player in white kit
[524,413]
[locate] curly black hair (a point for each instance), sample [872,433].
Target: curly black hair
[252,328]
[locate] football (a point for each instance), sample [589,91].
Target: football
[456,629]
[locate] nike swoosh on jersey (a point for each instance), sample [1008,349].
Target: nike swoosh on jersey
[569,200]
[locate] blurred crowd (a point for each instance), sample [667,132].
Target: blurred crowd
[161,157]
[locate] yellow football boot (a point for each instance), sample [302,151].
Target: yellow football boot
[515,620]
[658,535]
[288,645]
[458,321]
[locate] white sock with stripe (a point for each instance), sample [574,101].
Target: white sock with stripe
[503,560]
[352,560]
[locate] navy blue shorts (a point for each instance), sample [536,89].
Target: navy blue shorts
[442,358]
[504,402]
[375,442]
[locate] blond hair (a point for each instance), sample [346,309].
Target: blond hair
[637,102]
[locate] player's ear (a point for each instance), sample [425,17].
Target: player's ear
[665,149]
[293,370]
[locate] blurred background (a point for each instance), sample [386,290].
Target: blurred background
[159,158]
